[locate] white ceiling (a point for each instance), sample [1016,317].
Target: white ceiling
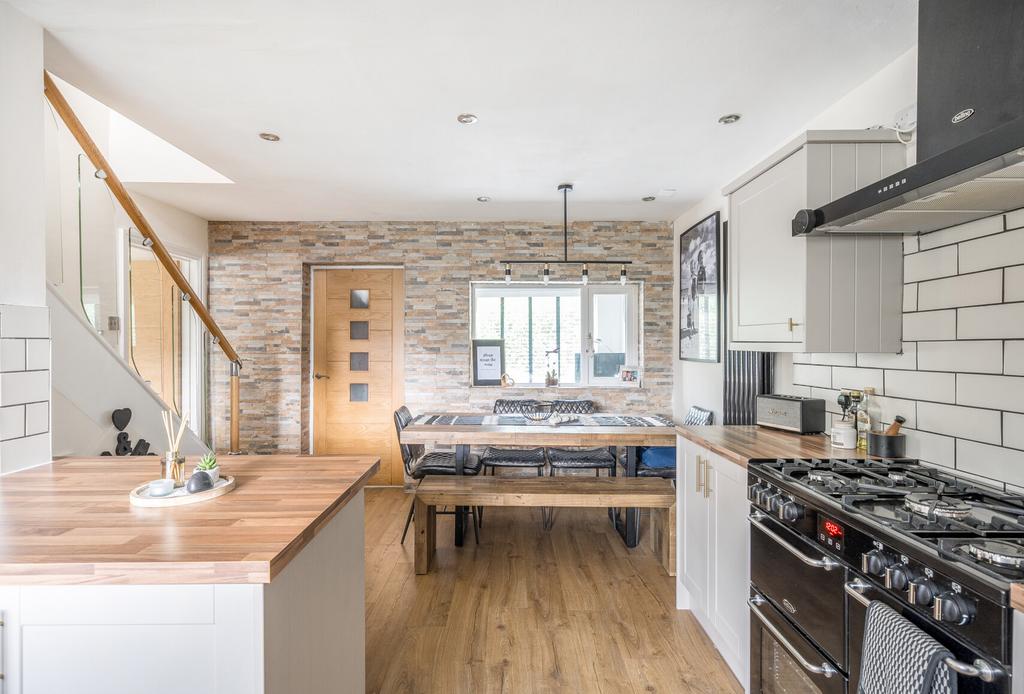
[620,98]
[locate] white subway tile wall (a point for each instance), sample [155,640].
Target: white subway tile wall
[24,387]
[960,379]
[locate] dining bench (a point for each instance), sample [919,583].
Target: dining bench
[631,493]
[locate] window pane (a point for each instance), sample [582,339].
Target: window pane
[517,338]
[359,330]
[569,339]
[610,337]
[359,298]
[358,392]
[359,361]
[487,318]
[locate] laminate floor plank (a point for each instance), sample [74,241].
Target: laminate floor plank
[570,610]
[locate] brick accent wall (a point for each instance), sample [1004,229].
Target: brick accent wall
[959,380]
[259,293]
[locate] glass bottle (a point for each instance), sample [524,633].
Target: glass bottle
[865,420]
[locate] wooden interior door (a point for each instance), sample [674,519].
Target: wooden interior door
[156,329]
[358,367]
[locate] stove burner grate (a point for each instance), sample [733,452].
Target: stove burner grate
[996,552]
[935,506]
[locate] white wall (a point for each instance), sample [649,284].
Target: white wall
[875,102]
[22,244]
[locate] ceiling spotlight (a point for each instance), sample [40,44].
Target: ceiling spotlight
[648,198]
[270,137]
[483,198]
[729,118]
[467,118]
[622,275]
[508,273]
[547,273]
[585,275]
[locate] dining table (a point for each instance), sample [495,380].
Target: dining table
[463,431]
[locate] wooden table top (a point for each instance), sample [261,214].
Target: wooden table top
[587,492]
[70,522]
[741,443]
[587,432]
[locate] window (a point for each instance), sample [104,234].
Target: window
[582,333]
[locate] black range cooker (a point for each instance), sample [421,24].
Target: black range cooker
[829,536]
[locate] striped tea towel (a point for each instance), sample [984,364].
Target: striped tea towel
[899,658]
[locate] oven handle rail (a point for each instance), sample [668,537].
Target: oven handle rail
[981,669]
[825,562]
[823,669]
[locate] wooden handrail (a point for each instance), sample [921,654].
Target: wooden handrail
[64,110]
[121,194]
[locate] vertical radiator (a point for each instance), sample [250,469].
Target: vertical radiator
[747,375]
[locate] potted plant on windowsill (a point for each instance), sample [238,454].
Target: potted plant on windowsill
[208,464]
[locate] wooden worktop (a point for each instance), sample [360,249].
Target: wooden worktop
[70,522]
[741,443]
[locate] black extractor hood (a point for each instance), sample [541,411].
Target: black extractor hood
[970,146]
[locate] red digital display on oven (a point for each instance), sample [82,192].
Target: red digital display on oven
[832,529]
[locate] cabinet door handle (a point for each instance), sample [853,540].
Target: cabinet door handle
[699,484]
[793,324]
[707,480]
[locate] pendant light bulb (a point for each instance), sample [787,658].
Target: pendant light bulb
[508,273]
[547,273]
[622,275]
[585,277]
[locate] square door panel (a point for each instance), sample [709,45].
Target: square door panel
[358,392]
[359,298]
[359,361]
[339,346]
[359,330]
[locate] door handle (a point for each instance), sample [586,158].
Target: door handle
[981,669]
[319,376]
[699,484]
[825,562]
[707,480]
[824,669]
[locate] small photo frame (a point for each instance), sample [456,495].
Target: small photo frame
[629,373]
[488,362]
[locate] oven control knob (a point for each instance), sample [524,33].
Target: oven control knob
[791,512]
[874,562]
[921,592]
[897,577]
[754,492]
[953,608]
[771,502]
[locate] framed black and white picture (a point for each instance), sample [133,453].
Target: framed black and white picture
[488,362]
[700,291]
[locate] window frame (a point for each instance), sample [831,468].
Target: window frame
[634,323]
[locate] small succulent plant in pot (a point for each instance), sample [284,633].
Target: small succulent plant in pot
[208,464]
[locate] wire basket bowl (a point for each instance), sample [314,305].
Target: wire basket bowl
[541,412]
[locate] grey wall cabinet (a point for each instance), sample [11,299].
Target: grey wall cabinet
[838,293]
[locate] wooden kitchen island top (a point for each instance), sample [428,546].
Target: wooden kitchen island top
[741,443]
[70,522]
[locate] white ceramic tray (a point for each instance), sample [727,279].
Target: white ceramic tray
[179,497]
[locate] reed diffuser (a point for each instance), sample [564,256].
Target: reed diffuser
[174,464]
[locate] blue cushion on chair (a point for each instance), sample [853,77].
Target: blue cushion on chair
[659,457]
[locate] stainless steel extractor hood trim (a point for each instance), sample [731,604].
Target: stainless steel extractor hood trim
[998,149]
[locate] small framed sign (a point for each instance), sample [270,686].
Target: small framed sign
[488,362]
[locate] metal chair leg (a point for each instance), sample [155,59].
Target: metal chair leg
[408,520]
[476,524]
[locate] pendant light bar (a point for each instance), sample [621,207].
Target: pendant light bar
[564,188]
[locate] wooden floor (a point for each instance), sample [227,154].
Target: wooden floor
[570,610]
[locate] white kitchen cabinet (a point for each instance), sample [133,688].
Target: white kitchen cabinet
[715,552]
[835,293]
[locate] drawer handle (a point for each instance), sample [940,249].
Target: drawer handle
[824,563]
[824,669]
[984,671]
[699,485]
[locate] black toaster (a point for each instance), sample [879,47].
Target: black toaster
[791,413]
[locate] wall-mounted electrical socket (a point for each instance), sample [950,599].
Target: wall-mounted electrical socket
[113,323]
[906,118]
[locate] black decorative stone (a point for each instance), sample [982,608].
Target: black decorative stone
[124,444]
[120,418]
[198,482]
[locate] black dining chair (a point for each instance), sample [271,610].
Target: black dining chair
[418,463]
[496,456]
[595,459]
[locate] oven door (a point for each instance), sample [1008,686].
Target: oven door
[802,581]
[782,659]
[859,594]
